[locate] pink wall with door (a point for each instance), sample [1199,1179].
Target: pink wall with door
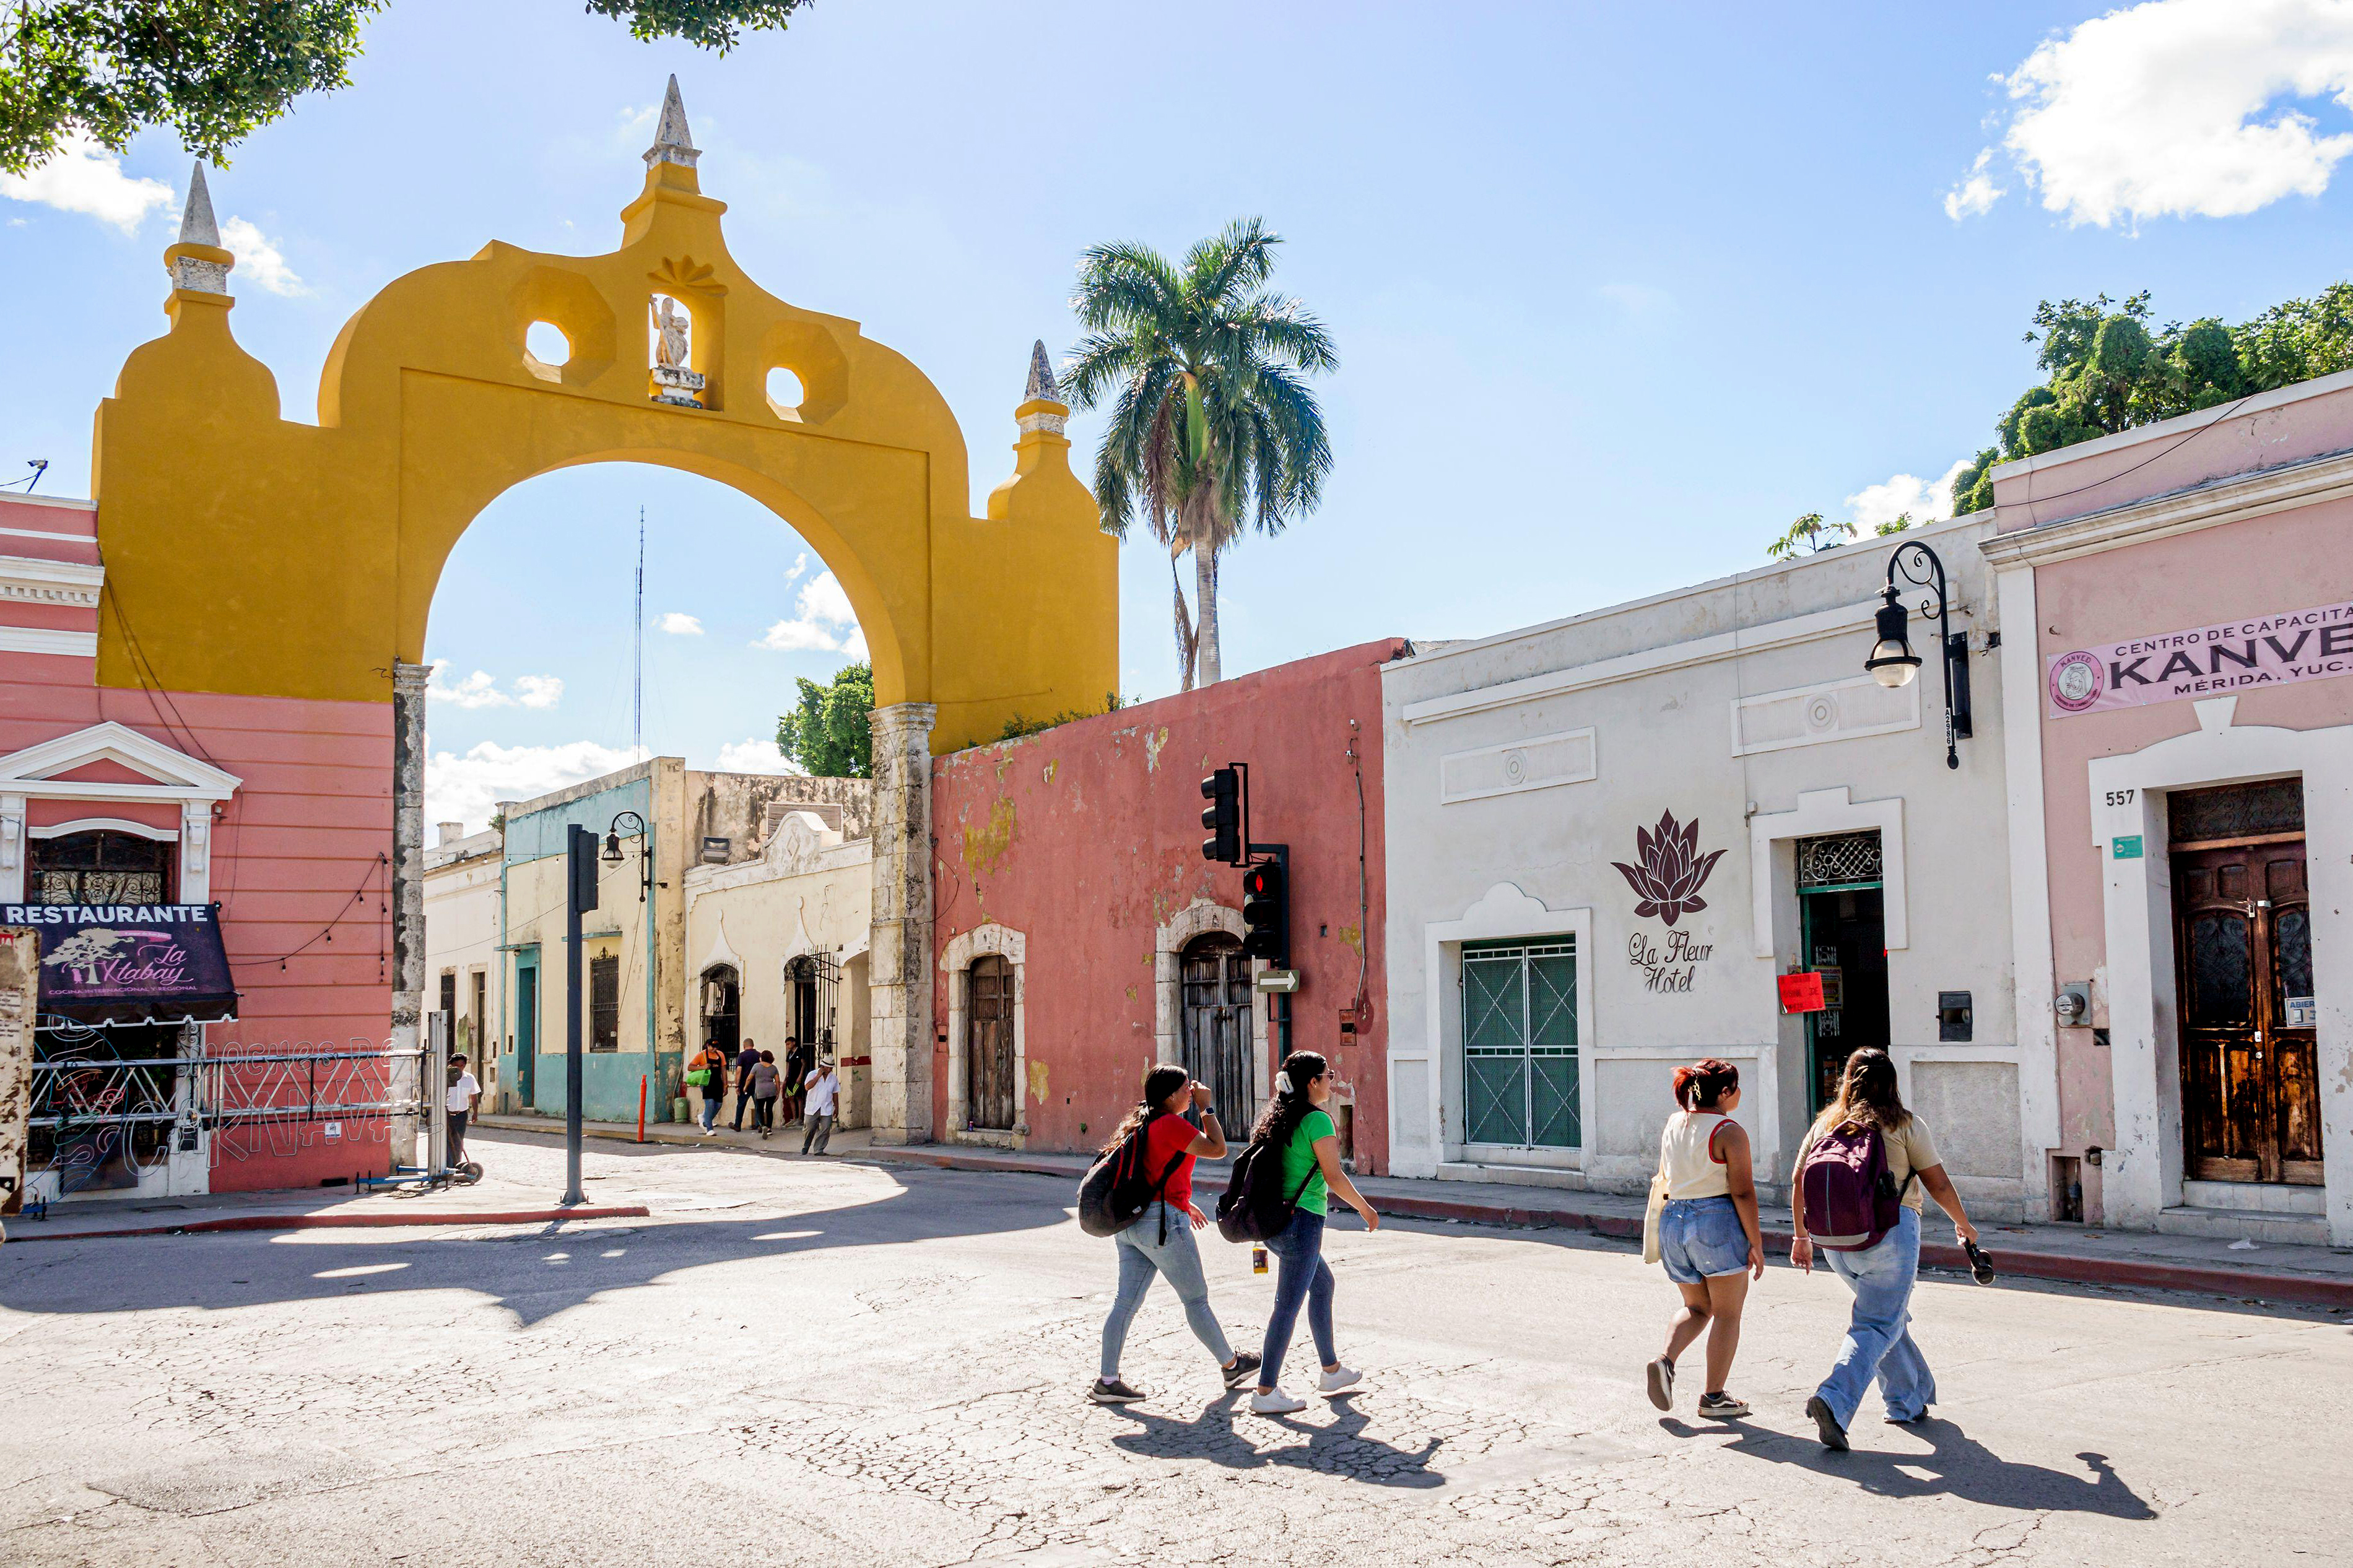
[1084,842]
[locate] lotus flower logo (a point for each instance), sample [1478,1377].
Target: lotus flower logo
[1673,870]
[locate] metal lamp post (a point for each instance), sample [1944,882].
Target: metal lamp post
[1894,664]
[644,852]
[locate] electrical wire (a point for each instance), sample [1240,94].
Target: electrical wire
[2034,500]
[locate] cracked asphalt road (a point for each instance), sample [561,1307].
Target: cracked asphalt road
[848,1364]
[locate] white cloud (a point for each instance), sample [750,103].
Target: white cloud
[87,178]
[800,564]
[539,690]
[467,788]
[1976,194]
[754,757]
[825,622]
[1926,499]
[258,258]
[679,625]
[2183,108]
[480,690]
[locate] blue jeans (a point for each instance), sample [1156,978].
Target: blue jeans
[1142,1255]
[712,1101]
[1305,1277]
[1879,1337]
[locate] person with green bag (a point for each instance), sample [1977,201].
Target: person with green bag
[708,1073]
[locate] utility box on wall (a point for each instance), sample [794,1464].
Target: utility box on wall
[1952,1017]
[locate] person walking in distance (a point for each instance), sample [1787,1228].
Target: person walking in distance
[822,1090]
[1160,1243]
[464,1094]
[711,1061]
[1708,1235]
[1295,1122]
[797,1071]
[1861,1171]
[767,1082]
[746,1059]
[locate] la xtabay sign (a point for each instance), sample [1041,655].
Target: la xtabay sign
[2209,661]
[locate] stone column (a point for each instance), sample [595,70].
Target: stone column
[899,963]
[407,893]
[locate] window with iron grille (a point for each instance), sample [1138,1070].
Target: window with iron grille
[1519,1043]
[604,1002]
[100,869]
[1839,861]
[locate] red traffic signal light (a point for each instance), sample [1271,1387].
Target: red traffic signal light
[1266,912]
[1223,819]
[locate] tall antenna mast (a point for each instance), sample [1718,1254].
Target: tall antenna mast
[637,696]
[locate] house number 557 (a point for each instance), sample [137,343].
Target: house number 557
[2121,796]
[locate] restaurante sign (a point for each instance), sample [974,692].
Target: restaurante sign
[2262,650]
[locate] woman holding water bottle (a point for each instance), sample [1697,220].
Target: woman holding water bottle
[1296,1123]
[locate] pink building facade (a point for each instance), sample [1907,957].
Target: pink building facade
[279,812]
[2177,602]
[1079,936]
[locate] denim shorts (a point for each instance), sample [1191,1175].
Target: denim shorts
[1701,1237]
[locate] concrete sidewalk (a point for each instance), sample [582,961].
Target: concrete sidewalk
[489,1201]
[2308,1276]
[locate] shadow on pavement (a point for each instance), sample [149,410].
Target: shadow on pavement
[1956,1465]
[1340,1448]
[534,1273]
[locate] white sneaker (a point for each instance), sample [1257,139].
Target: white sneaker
[1275,1404]
[1335,1382]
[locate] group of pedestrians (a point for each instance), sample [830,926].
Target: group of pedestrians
[1861,1172]
[806,1084]
[1180,1125]
[1856,1201]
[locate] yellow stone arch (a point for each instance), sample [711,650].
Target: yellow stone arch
[254,555]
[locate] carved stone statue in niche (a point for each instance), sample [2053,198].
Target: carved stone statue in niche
[670,325]
[673,383]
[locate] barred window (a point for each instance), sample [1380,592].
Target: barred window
[100,867]
[1839,861]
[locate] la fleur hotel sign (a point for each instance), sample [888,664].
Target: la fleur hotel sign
[1666,883]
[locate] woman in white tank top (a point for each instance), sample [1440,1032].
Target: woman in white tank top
[1706,1198]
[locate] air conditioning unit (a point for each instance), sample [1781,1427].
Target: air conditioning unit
[714,851]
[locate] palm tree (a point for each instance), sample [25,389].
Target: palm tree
[1212,425]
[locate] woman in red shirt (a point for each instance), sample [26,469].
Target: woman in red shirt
[1161,1242]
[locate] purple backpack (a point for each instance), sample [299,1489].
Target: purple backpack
[1852,1199]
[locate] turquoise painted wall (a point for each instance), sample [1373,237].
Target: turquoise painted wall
[608,1079]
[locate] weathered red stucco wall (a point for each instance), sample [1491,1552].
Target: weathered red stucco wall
[1087,839]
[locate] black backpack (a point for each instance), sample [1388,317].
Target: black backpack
[1255,1206]
[1117,1191]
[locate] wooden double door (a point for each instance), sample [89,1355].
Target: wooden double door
[1220,1039]
[992,1095]
[2242,944]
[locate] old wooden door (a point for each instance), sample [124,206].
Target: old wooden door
[988,1050]
[2242,938]
[1219,1045]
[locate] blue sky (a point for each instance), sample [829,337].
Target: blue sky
[1618,290]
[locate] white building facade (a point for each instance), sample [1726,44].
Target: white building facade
[462,957]
[1611,837]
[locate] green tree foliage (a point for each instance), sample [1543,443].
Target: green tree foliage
[2106,371]
[831,734]
[212,70]
[1807,535]
[1212,425]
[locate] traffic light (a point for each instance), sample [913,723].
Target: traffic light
[1223,790]
[1266,913]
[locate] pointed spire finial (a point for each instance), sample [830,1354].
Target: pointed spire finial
[1041,377]
[197,229]
[673,144]
[196,225]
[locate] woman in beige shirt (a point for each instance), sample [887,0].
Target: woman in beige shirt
[1878,1342]
[1708,1238]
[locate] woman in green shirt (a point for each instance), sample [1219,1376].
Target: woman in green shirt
[1297,1124]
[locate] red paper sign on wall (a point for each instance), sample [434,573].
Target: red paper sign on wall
[1801,993]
